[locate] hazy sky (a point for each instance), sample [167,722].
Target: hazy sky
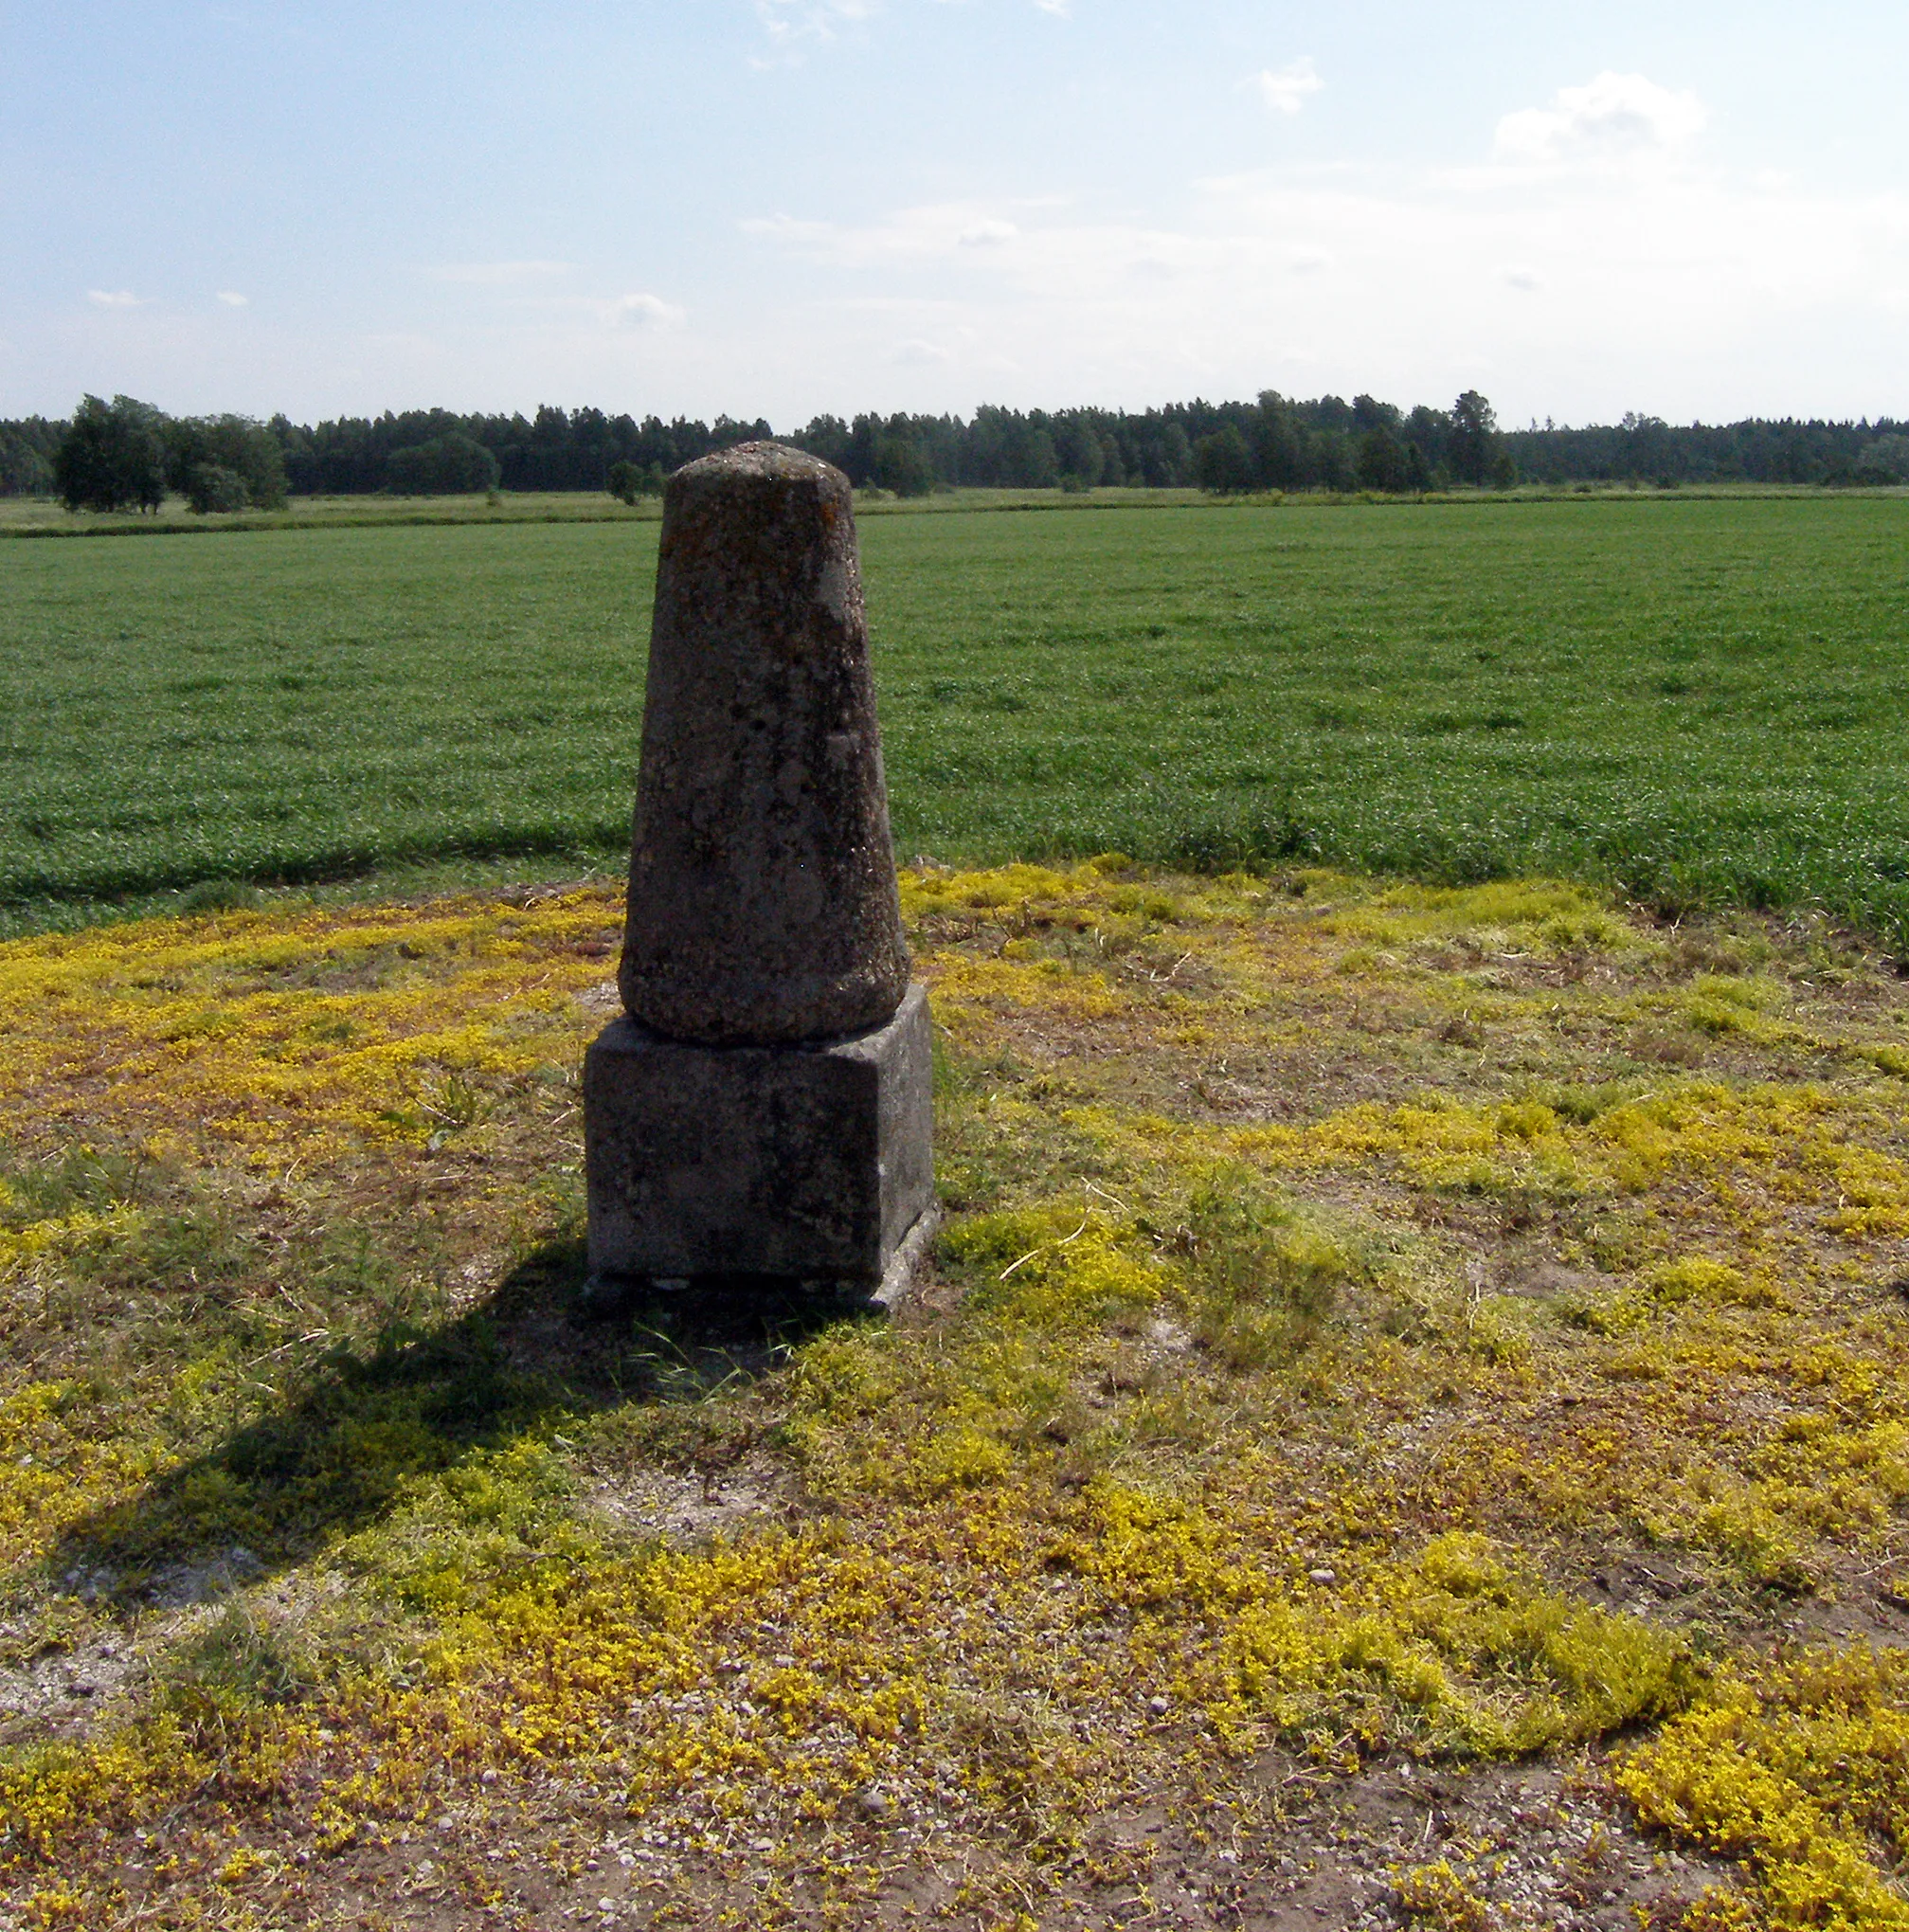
[781,207]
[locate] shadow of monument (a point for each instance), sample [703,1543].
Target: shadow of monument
[363,1427]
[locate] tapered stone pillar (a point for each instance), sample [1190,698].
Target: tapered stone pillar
[763,1107]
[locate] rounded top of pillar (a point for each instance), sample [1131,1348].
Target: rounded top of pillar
[768,462]
[752,480]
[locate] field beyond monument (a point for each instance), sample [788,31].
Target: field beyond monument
[1694,697]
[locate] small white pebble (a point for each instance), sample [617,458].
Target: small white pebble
[1159,1706]
[762,1844]
[1323,1576]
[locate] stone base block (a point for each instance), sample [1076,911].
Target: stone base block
[811,1162]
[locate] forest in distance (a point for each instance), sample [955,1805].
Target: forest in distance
[1274,442]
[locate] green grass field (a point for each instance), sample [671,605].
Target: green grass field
[1698,698]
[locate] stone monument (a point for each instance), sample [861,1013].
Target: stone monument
[764,1106]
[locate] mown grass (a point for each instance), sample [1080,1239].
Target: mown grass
[41,516]
[1696,699]
[1343,1284]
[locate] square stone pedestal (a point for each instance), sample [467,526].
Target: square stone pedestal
[812,1161]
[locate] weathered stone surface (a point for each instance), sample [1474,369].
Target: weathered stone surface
[766,1107]
[763,904]
[810,1161]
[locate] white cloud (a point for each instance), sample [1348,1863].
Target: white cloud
[115,298]
[495,274]
[233,300]
[956,229]
[1611,115]
[1672,288]
[917,351]
[639,311]
[1286,89]
[787,229]
[792,23]
[793,26]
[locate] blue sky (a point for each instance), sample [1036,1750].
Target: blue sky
[781,207]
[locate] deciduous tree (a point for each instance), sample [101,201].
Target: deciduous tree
[629,482]
[112,457]
[224,462]
[448,466]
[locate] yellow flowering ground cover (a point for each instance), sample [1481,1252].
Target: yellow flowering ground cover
[1407,1425]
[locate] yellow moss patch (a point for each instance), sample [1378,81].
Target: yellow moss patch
[1544,914]
[288,1034]
[1331,1287]
[1456,1652]
[1799,1770]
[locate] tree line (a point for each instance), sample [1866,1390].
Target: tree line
[127,454]
[1646,449]
[1274,443]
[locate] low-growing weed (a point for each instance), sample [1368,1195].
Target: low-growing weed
[1290,1384]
